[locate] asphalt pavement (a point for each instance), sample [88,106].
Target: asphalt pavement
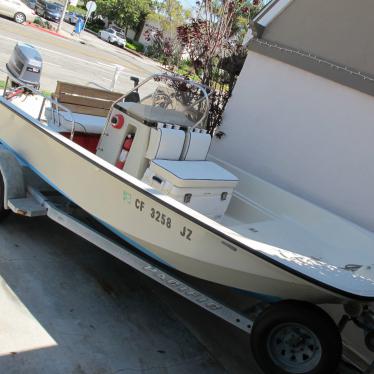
[68,307]
[78,60]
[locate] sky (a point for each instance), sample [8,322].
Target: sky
[188,3]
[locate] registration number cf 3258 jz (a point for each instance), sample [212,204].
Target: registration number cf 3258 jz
[159,217]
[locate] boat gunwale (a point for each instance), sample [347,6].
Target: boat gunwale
[196,220]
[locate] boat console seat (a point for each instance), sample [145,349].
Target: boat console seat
[196,145]
[165,143]
[168,142]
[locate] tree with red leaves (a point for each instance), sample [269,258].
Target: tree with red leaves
[211,40]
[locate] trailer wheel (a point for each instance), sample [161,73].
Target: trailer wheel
[296,337]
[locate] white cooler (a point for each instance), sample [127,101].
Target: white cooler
[201,185]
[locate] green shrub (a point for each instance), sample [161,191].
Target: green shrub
[77,9]
[95,24]
[46,93]
[45,24]
[185,66]
[38,21]
[134,45]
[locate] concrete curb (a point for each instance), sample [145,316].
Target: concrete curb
[133,52]
[90,31]
[51,32]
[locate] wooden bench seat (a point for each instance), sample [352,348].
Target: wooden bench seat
[85,100]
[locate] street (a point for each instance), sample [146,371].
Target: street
[71,61]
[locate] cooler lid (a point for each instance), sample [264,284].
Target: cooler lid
[193,173]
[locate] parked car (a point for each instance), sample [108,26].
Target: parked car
[48,10]
[59,6]
[17,10]
[71,18]
[31,4]
[113,37]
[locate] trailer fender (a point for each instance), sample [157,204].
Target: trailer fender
[12,175]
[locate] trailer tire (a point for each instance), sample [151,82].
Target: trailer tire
[296,337]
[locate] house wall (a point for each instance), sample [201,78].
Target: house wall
[337,30]
[131,34]
[304,133]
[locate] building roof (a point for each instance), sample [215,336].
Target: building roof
[273,9]
[330,38]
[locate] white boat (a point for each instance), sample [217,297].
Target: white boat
[267,242]
[154,184]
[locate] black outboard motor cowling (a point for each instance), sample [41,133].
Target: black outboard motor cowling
[26,65]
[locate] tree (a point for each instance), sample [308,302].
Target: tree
[124,13]
[212,39]
[169,15]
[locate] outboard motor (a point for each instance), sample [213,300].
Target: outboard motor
[25,65]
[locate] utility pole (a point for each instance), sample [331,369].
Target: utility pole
[59,27]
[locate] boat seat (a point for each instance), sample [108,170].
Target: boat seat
[193,174]
[196,145]
[84,123]
[165,143]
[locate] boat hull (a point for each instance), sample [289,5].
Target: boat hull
[150,221]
